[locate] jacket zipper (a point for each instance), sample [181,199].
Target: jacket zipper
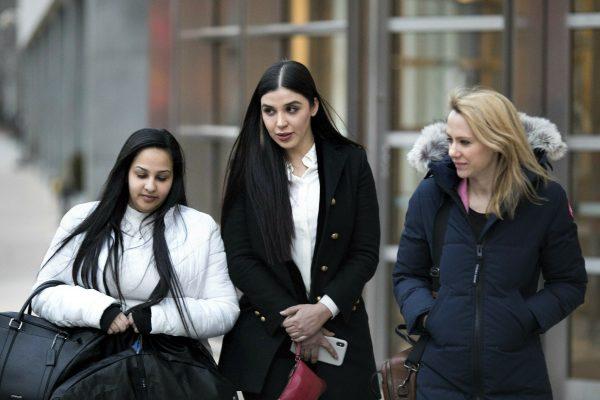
[477,334]
[477,326]
[143,386]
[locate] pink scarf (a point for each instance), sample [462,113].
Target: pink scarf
[463,192]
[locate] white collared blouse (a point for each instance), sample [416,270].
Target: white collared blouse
[305,192]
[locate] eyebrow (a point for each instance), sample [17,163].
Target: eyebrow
[158,172]
[295,102]
[459,137]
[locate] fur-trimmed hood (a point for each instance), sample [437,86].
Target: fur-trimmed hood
[432,144]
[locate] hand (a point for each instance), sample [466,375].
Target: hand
[311,345]
[119,324]
[304,320]
[132,323]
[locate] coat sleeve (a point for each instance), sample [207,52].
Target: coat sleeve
[563,267]
[249,272]
[412,285]
[68,305]
[361,258]
[212,305]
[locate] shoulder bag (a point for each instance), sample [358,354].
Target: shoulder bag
[150,367]
[36,355]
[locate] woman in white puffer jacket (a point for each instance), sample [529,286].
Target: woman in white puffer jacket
[140,258]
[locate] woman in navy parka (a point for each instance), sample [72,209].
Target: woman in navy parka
[508,222]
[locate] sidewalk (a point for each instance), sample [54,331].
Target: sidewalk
[29,215]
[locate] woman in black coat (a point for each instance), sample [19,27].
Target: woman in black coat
[301,231]
[508,221]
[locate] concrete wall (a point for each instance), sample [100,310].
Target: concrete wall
[8,63]
[30,16]
[84,85]
[115,81]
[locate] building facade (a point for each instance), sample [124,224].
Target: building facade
[385,66]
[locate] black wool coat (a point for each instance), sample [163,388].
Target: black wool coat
[345,258]
[485,323]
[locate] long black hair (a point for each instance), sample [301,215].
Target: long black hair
[256,164]
[102,228]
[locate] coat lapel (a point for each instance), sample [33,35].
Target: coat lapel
[331,164]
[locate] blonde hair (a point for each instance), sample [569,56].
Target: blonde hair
[495,123]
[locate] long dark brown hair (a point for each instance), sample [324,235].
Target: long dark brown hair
[102,228]
[256,166]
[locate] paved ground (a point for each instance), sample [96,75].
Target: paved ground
[29,216]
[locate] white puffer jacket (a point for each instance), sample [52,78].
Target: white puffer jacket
[198,257]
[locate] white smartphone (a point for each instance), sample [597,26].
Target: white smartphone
[340,346]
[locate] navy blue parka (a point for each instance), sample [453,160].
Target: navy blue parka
[484,326]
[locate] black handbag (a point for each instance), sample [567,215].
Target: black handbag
[36,355]
[150,367]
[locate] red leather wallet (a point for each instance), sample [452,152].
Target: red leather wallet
[303,383]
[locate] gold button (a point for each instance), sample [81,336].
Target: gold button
[357,301]
[318,298]
[353,308]
[263,319]
[334,236]
[324,268]
[256,313]
[333,201]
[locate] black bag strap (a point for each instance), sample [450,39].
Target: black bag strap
[439,232]
[35,292]
[418,348]
[400,331]
[413,360]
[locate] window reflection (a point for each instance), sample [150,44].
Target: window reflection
[194,13]
[199,176]
[585,334]
[585,83]
[194,90]
[404,179]
[585,6]
[295,11]
[203,13]
[585,322]
[264,51]
[414,8]
[228,93]
[586,200]
[315,10]
[227,12]
[264,12]
[427,66]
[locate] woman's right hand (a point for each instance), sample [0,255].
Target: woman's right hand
[311,345]
[119,324]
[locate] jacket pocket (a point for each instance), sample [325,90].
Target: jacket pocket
[430,325]
[524,314]
[514,322]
